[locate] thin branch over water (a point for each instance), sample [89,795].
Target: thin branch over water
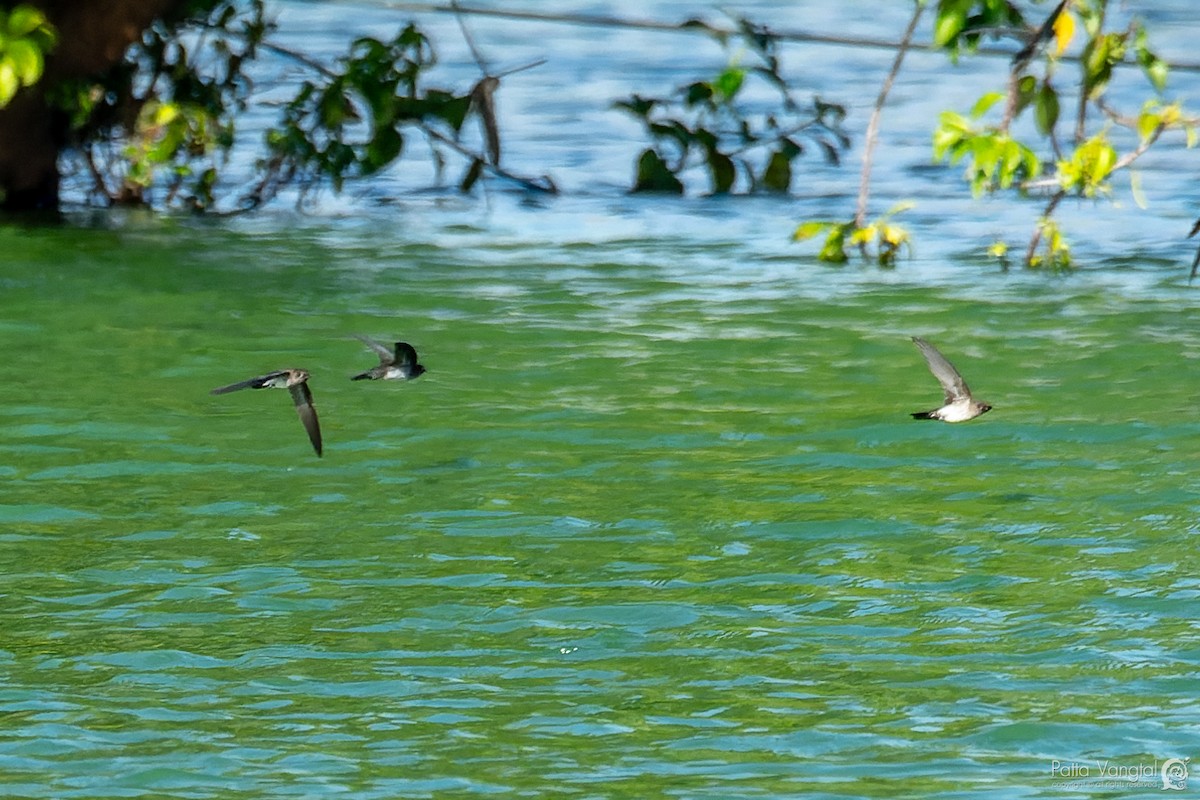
[609,21]
[864,186]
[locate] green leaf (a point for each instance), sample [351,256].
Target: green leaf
[899,208]
[722,170]
[951,20]
[1026,93]
[637,105]
[674,130]
[448,107]
[24,19]
[1046,109]
[706,138]
[653,175]
[777,177]
[9,82]
[698,92]
[1155,68]
[382,150]
[807,230]
[1156,71]
[334,105]
[1147,124]
[983,104]
[729,82]
[834,249]
[26,60]
[864,235]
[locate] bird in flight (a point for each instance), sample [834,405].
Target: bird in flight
[296,382]
[399,364]
[959,405]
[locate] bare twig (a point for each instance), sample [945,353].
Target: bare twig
[1021,61]
[1196,260]
[864,186]
[1084,99]
[1036,239]
[1121,163]
[544,184]
[466,32]
[483,99]
[607,21]
[1143,146]
[1041,34]
[100,187]
[522,68]
[300,58]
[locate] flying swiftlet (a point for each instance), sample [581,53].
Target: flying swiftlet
[398,364]
[959,405]
[296,382]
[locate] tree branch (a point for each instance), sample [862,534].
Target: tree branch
[864,186]
[1036,239]
[544,184]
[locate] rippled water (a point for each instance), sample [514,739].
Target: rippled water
[655,524]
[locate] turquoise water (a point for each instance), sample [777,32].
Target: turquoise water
[656,523]
[646,528]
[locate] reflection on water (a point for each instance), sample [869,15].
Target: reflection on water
[655,522]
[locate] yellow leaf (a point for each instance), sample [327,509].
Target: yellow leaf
[9,82]
[1064,32]
[998,249]
[864,235]
[1148,123]
[807,230]
[894,235]
[165,113]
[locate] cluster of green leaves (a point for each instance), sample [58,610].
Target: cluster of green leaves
[1055,251]
[881,235]
[25,38]
[1084,161]
[706,123]
[995,158]
[166,116]
[160,126]
[960,24]
[351,121]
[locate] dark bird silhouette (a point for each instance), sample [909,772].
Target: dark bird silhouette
[399,364]
[296,382]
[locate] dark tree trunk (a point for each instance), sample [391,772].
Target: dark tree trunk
[92,37]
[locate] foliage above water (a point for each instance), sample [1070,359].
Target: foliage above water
[376,91]
[25,39]
[159,128]
[1076,155]
[166,117]
[1041,158]
[711,123]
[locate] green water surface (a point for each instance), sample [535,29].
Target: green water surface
[655,524]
